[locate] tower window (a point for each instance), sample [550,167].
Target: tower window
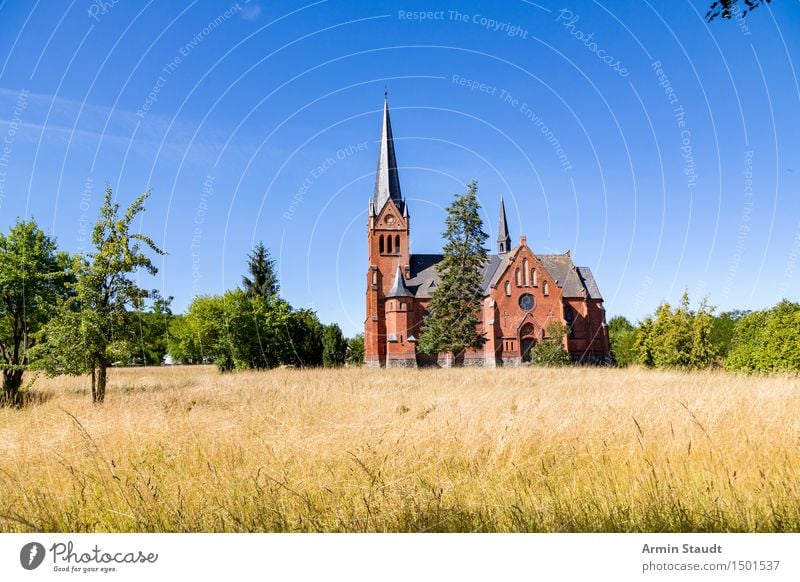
[397,244]
[389,244]
[380,244]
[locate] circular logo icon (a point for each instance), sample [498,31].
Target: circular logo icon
[31,555]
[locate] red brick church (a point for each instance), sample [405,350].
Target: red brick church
[523,291]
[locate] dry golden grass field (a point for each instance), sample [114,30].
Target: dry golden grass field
[580,449]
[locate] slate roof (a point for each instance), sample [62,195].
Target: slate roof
[502,231]
[399,288]
[387,180]
[572,280]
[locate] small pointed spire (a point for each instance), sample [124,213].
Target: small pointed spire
[503,239]
[399,288]
[387,181]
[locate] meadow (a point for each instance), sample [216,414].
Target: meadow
[186,449]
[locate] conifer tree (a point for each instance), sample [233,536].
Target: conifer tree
[456,301]
[263,280]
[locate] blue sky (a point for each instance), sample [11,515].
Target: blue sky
[661,150]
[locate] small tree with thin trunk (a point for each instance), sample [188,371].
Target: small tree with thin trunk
[456,301]
[96,325]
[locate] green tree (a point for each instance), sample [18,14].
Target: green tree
[767,341]
[355,350]
[334,346]
[623,340]
[96,326]
[33,277]
[677,338]
[254,330]
[263,280]
[723,329]
[304,332]
[198,336]
[551,352]
[152,330]
[456,301]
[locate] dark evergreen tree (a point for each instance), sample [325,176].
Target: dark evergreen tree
[456,301]
[263,280]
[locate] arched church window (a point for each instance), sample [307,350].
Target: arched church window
[374,277]
[397,244]
[508,288]
[389,244]
[545,288]
[534,280]
[517,278]
[525,272]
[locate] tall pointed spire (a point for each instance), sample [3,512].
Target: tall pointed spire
[399,288]
[387,181]
[503,239]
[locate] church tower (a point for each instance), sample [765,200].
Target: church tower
[387,241]
[503,238]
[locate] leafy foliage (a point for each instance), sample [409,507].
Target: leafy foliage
[355,350]
[677,338]
[456,302]
[551,351]
[33,277]
[767,341]
[304,339]
[98,320]
[334,346]
[623,341]
[723,329]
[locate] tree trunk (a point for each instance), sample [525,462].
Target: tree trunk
[94,383]
[12,380]
[101,381]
